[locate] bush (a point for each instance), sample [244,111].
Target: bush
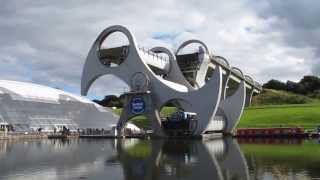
[275,97]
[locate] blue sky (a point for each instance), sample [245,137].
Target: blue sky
[46,42]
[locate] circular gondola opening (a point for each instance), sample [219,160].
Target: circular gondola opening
[114,49]
[189,58]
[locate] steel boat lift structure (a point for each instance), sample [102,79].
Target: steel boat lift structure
[154,81]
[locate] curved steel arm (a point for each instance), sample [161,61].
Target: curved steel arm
[249,78]
[226,62]
[175,73]
[239,70]
[184,44]
[233,106]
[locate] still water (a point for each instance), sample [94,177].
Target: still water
[134,159]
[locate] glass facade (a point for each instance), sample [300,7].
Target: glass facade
[31,114]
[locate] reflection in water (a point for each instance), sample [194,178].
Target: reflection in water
[56,159]
[133,159]
[181,159]
[282,159]
[121,159]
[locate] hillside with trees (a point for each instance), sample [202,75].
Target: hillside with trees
[275,92]
[307,86]
[278,97]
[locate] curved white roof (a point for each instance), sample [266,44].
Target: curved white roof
[132,127]
[35,91]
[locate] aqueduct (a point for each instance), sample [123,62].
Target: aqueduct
[196,82]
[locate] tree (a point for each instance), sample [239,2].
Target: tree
[296,87]
[275,84]
[110,101]
[310,83]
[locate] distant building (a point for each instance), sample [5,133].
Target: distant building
[30,107]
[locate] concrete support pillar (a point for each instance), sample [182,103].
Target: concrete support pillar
[249,94]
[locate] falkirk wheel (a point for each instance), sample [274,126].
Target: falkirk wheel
[197,82]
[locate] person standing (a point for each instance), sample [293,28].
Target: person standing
[5,131]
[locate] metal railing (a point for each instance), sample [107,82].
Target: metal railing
[154,55]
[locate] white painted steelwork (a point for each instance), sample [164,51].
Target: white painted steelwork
[215,111]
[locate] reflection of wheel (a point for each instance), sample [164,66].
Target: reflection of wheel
[193,126]
[139,82]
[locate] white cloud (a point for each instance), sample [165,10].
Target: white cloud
[47,41]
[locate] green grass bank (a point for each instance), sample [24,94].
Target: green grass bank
[293,115]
